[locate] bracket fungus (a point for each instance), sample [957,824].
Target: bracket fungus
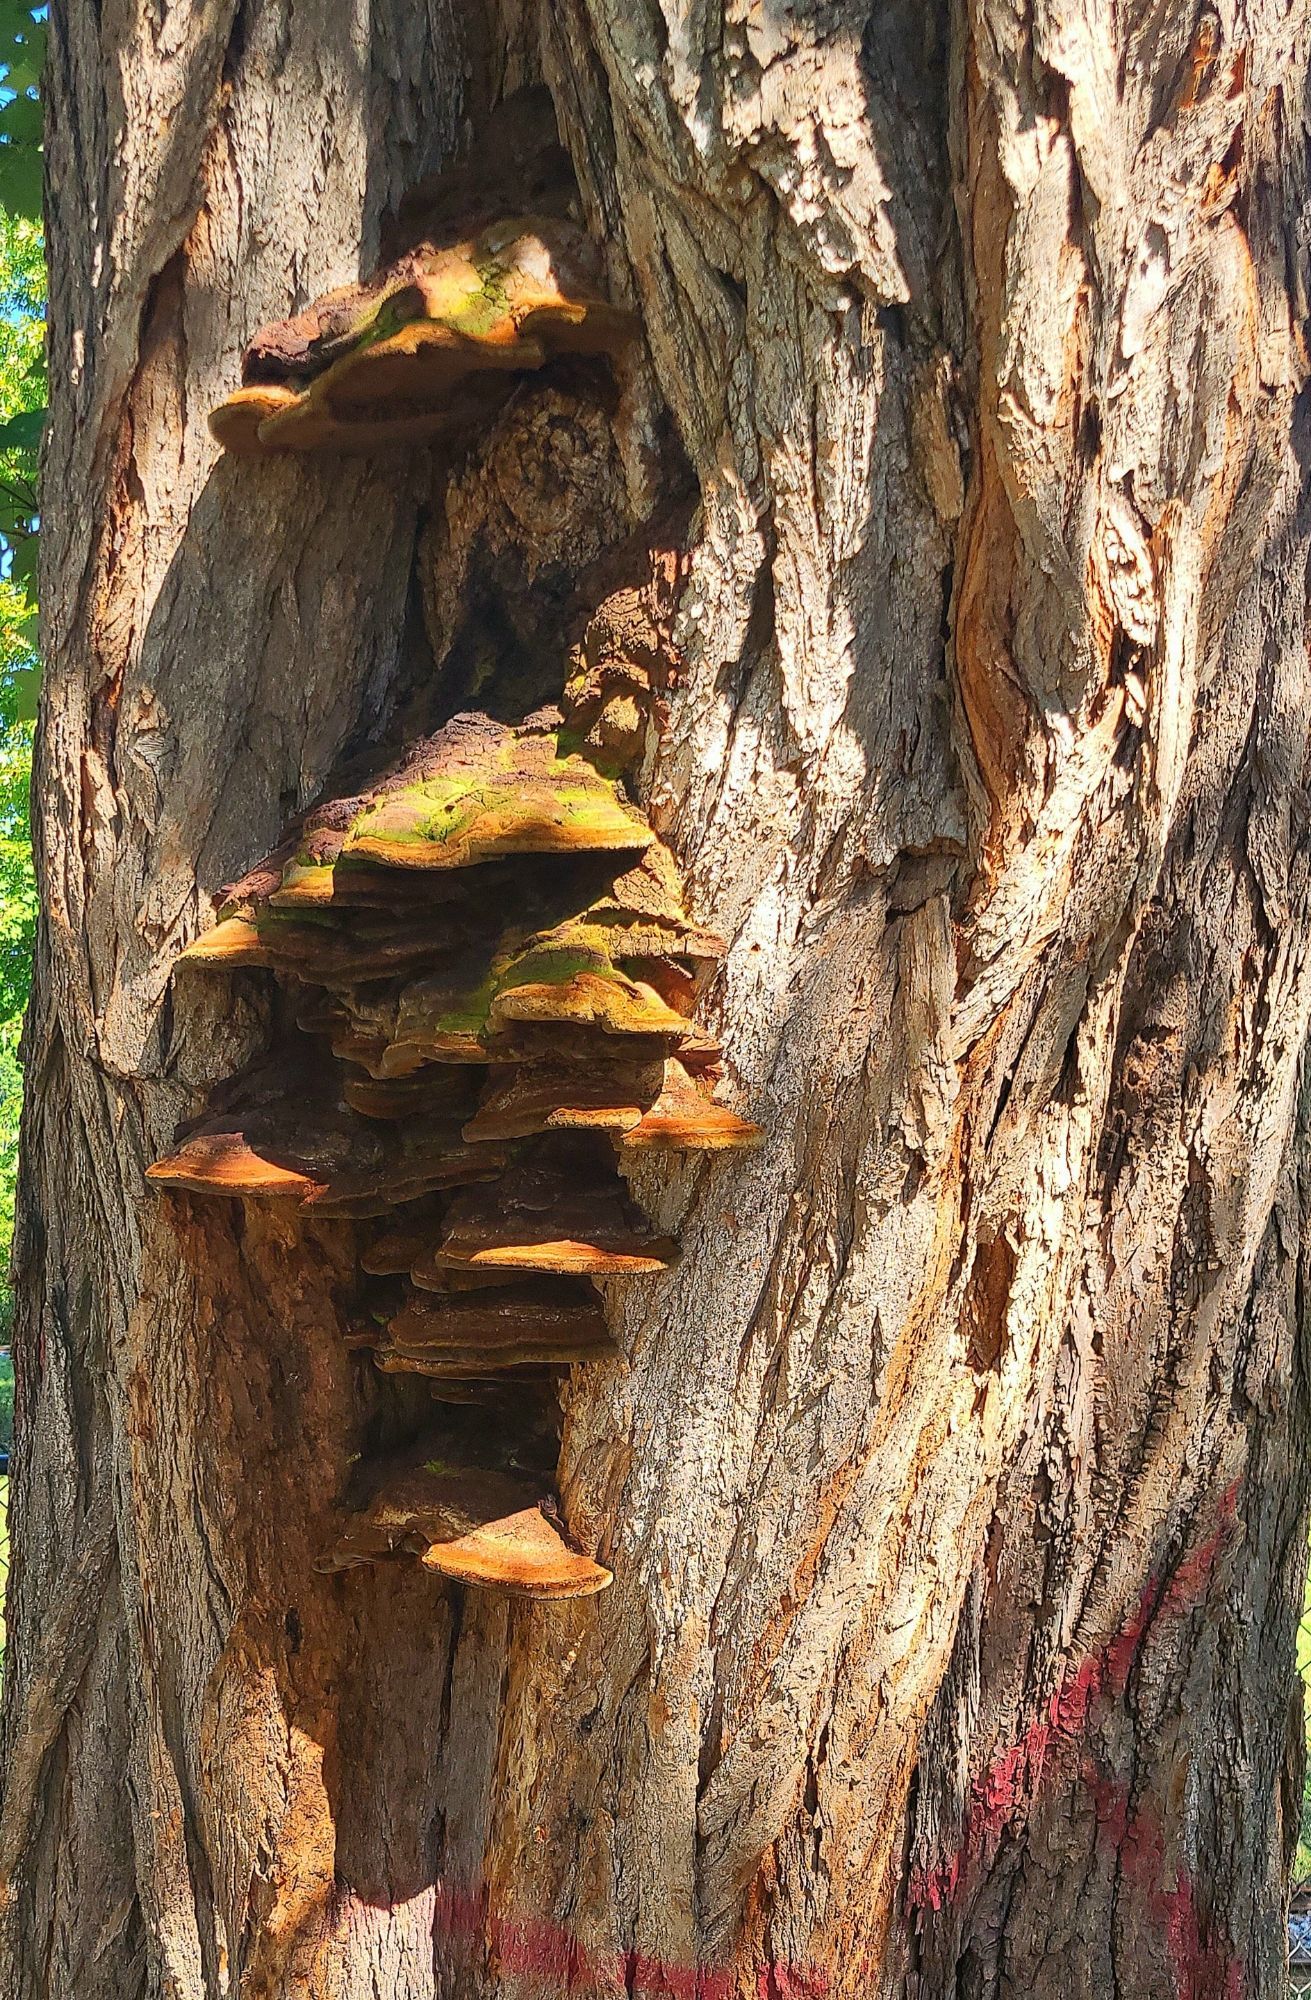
[491,791]
[560,1208]
[522,1554]
[287,1130]
[493,943]
[532,1098]
[233,941]
[432,345]
[484,976]
[507,1325]
[685,1118]
[472,1524]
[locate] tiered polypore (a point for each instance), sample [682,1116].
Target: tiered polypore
[492,942]
[485,950]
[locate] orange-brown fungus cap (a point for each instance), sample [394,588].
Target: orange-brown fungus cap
[486,1358]
[224,1163]
[284,1127]
[685,1118]
[237,420]
[234,941]
[391,1098]
[643,910]
[500,1319]
[522,1555]
[563,1210]
[566,1097]
[421,1501]
[432,344]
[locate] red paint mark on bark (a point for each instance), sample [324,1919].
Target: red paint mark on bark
[1203,1968]
[543,1950]
[784,1982]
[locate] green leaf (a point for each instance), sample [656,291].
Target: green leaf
[22,431]
[26,684]
[20,178]
[22,121]
[23,73]
[22,40]
[23,566]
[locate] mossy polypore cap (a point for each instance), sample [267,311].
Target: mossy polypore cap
[569,975]
[503,792]
[370,883]
[418,350]
[449,791]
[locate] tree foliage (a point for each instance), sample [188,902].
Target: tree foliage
[22,415]
[22,53]
[22,286]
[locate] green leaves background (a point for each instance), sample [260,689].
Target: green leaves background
[22,56]
[22,416]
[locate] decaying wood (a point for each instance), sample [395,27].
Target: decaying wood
[950,1481]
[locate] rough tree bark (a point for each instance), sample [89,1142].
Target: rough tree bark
[951,1485]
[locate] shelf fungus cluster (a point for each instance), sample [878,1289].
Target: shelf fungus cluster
[492,943]
[429,348]
[486,977]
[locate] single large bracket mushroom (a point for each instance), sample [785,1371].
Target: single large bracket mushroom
[432,345]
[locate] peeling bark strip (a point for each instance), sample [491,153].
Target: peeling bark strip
[973,350]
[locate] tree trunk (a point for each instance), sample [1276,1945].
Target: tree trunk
[950,1484]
